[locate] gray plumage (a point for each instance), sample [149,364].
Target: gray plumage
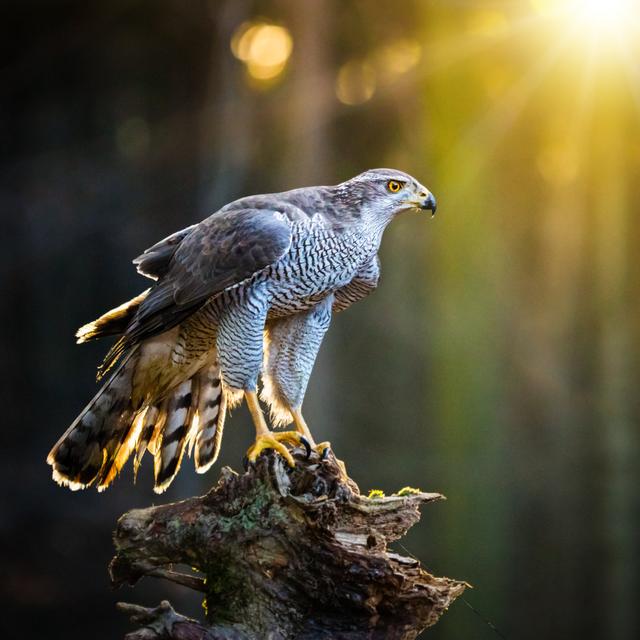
[248,292]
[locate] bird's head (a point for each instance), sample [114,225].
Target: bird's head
[389,191]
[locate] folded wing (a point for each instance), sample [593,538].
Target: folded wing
[200,262]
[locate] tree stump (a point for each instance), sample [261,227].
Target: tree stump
[283,553]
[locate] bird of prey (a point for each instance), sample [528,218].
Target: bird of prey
[247,293]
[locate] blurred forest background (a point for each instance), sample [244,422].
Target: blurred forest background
[498,363]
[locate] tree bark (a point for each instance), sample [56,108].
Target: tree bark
[284,553]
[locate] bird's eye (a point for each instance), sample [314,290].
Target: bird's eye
[394,186]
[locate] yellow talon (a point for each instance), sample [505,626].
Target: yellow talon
[273,440]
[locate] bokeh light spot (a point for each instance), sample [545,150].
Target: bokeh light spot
[398,57]
[356,82]
[264,48]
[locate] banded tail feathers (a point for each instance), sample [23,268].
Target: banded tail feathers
[96,445]
[212,410]
[194,418]
[99,442]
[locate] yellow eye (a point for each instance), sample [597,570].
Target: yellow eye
[394,186]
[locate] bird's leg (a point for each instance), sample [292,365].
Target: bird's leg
[267,439]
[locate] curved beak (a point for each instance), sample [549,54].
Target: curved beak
[429,204]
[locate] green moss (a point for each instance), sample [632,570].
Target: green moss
[375,493]
[408,491]
[252,511]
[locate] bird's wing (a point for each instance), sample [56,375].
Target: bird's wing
[363,283]
[155,261]
[220,252]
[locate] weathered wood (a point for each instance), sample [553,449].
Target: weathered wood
[285,553]
[163,622]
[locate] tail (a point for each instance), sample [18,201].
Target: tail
[195,415]
[97,445]
[212,411]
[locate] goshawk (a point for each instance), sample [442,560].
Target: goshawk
[247,293]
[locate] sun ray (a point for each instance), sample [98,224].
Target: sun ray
[448,52]
[631,69]
[491,128]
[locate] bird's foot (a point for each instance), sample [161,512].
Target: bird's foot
[275,440]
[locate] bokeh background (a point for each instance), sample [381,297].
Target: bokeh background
[499,361]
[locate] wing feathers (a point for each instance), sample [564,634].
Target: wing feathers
[154,262]
[222,251]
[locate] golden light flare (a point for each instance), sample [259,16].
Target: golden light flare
[264,48]
[610,18]
[598,11]
[603,22]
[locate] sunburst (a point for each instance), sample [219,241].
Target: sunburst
[608,26]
